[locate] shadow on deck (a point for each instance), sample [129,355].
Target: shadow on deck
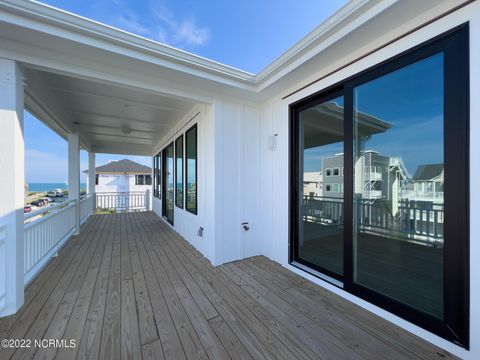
[129,287]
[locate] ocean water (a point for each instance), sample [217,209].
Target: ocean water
[43,187]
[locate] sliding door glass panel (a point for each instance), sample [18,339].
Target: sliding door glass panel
[191,169]
[169,183]
[179,171]
[320,233]
[398,185]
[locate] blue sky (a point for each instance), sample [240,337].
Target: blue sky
[246,34]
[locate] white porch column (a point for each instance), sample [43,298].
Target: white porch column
[12,187]
[91,179]
[74,175]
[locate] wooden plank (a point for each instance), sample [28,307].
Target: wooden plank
[78,317]
[230,341]
[125,266]
[146,317]
[190,342]
[170,340]
[130,333]
[152,351]
[56,328]
[278,278]
[89,346]
[77,280]
[110,347]
[182,275]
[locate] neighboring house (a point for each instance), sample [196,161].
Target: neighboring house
[122,176]
[312,184]
[427,184]
[378,176]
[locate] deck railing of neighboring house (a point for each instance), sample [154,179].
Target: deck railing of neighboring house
[123,201]
[46,230]
[3,259]
[412,220]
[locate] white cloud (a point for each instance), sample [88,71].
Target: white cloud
[160,25]
[188,32]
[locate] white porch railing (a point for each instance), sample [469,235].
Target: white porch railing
[3,259]
[86,207]
[123,201]
[46,231]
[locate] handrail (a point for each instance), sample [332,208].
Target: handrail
[48,209]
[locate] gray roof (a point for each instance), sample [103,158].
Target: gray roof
[123,166]
[428,172]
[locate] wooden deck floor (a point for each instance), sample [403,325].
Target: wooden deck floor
[129,287]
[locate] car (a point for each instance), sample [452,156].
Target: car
[55,193]
[45,200]
[27,209]
[38,202]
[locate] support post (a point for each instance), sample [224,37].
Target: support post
[74,175]
[91,180]
[12,188]
[147,199]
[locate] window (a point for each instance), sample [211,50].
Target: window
[336,171]
[419,102]
[96,179]
[157,178]
[179,171]
[143,179]
[168,182]
[191,169]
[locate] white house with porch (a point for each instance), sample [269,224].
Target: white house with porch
[228,152]
[122,176]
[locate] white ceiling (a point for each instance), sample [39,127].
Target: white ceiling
[109,118]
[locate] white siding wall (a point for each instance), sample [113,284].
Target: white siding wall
[228,178]
[185,223]
[118,183]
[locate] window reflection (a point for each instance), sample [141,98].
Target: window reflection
[321,211]
[398,185]
[191,169]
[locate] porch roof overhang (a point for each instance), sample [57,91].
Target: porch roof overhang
[123,93]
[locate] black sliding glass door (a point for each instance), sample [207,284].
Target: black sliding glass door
[379,185]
